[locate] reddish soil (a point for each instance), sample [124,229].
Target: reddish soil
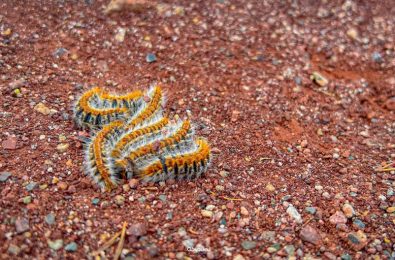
[243,69]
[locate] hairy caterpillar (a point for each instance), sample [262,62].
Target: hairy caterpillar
[97,107]
[152,109]
[132,138]
[98,165]
[185,165]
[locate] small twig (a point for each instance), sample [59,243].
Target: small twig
[150,188]
[227,198]
[107,244]
[385,170]
[193,231]
[118,251]
[307,222]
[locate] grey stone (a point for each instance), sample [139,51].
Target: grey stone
[247,244]
[31,186]
[50,219]
[22,225]
[311,210]
[4,176]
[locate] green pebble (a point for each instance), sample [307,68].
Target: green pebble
[55,245]
[162,197]
[247,245]
[345,257]
[27,199]
[311,210]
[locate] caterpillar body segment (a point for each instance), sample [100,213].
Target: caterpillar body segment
[130,137]
[155,147]
[178,165]
[97,107]
[175,139]
[151,109]
[98,163]
[133,138]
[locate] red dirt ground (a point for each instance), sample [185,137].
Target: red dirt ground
[243,69]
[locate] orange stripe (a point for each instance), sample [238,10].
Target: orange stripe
[130,96]
[149,110]
[137,133]
[203,153]
[150,148]
[84,104]
[97,151]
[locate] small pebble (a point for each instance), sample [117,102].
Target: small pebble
[43,109]
[311,210]
[338,218]
[119,200]
[247,245]
[4,176]
[71,247]
[126,187]
[150,58]
[50,219]
[238,257]
[189,243]
[120,35]
[345,257]
[358,223]
[56,244]
[137,229]
[31,186]
[348,210]
[62,185]
[10,143]
[59,52]
[95,201]
[220,188]
[14,249]
[207,213]
[293,212]
[244,211]
[290,249]
[357,240]
[310,234]
[133,183]
[390,210]
[319,79]
[270,187]
[21,225]
[27,199]
[376,57]
[162,197]
[62,147]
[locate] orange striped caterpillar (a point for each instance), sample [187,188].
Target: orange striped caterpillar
[186,165]
[98,165]
[132,138]
[97,107]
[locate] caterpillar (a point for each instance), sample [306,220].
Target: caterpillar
[97,107]
[150,111]
[98,166]
[179,165]
[131,137]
